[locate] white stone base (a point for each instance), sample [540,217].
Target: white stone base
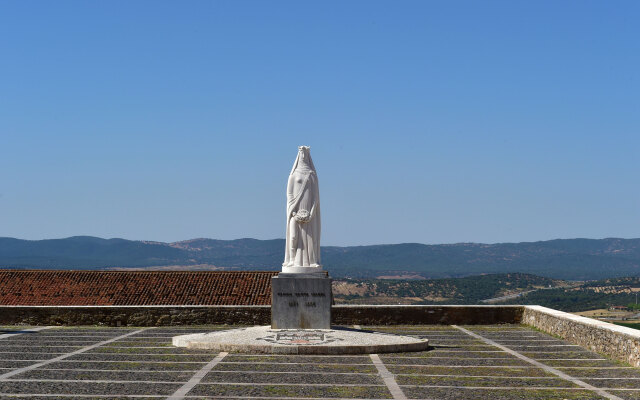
[263,339]
[316,269]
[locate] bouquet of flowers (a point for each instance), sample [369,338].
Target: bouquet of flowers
[302,216]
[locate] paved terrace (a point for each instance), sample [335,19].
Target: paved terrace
[467,362]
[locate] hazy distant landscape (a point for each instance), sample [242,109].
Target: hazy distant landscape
[514,288]
[570,274]
[567,259]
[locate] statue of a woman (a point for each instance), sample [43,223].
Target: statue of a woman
[302,252]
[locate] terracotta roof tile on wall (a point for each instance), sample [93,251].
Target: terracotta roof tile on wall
[98,288]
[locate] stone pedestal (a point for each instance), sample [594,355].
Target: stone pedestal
[301,301]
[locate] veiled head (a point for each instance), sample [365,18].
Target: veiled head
[304,152]
[303,160]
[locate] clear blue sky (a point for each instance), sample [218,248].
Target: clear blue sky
[431,122]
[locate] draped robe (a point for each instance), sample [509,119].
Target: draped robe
[303,238]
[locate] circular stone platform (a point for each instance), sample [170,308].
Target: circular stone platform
[263,339]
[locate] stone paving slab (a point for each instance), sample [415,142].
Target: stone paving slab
[84,397]
[126,365]
[280,367]
[14,364]
[454,361]
[442,353]
[468,371]
[36,349]
[295,377]
[128,375]
[499,394]
[627,395]
[54,343]
[94,388]
[566,354]
[135,342]
[141,357]
[151,350]
[474,347]
[624,372]
[622,383]
[351,392]
[297,359]
[483,381]
[582,363]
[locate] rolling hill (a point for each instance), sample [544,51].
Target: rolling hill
[569,259]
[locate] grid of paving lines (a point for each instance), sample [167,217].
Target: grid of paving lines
[90,362]
[111,363]
[462,366]
[293,376]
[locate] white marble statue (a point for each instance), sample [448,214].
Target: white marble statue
[302,252]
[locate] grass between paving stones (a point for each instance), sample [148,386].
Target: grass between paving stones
[223,366]
[524,330]
[507,339]
[401,327]
[299,359]
[453,343]
[455,361]
[52,340]
[39,342]
[532,346]
[444,346]
[95,328]
[527,342]
[565,354]
[498,394]
[199,328]
[585,373]
[484,381]
[354,392]
[84,397]
[160,332]
[497,328]
[583,363]
[241,377]
[453,334]
[499,372]
[142,357]
[124,365]
[29,356]
[614,383]
[87,388]
[107,376]
[451,354]
[156,351]
[51,351]
[626,394]
[14,364]
[435,335]
[140,342]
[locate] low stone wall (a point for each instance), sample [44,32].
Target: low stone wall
[617,342]
[425,315]
[135,315]
[253,315]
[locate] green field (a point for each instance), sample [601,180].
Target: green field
[629,325]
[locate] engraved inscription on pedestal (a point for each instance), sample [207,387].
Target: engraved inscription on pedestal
[300,301]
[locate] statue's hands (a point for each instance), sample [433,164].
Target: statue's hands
[302,216]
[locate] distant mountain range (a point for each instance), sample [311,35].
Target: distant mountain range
[569,259]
